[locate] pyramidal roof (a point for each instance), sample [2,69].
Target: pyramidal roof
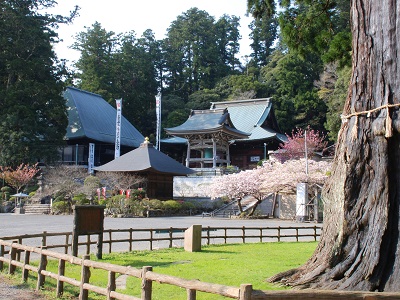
[145,159]
[90,116]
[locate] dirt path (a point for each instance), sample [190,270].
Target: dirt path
[11,291]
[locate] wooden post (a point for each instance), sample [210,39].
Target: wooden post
[261,236]
[66,243]
[60,283]
[1,255]
[88,244]
[191,294]
[85,276]
[151,239]
[315,233]
[18,252]
[170,237]
[225,237]
[208,235]
[130,239]
[244,235]
[25,271]
[279,233]
[297,234]
[99,246]
[110,241]
[111,286]
[75,241]
[13,256]
[44,239]
[42,266]
[245,291]
[146,284]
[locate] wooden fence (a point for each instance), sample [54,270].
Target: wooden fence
[147,277]
[169,236]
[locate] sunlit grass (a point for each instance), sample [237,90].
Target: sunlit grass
[230,265]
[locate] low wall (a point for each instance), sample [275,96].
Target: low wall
[192,187]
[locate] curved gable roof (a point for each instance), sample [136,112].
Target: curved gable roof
[207,121]
[90,116]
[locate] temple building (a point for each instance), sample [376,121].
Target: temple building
[238,133]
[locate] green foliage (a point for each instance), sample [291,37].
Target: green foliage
[335,101]
[33,117]
[60,207]
[80,199]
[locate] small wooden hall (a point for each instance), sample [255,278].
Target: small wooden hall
[208,134]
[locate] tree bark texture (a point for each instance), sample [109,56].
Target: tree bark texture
[359,247]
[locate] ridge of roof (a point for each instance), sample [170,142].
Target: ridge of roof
[244,102]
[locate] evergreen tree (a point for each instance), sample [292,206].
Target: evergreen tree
[33,117]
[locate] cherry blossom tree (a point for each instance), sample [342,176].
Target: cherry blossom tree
[295,147]
[272,177]
[20,176]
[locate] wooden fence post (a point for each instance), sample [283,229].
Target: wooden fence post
[243,235]
[1,255]
[44,239]
[191,294]
[60,283]
[110,241]
[88,244]
[66,243]
[42,266]
[19,252]
[208,235]
[147,285]
[25,271]
[315,233]
[151,239]
[85,276]
[245,291]
[111,286]
[130,239]
[297,234]
[225,237]
[170,237]
[261,236]
[13,256]
[279,233]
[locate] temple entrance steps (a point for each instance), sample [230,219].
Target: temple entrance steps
[232,209]
[37,209]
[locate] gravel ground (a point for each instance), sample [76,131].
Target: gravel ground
[12,291]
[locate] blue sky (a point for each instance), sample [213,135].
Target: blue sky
[126,15]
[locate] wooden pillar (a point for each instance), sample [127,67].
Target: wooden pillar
[214,153]
[228,155]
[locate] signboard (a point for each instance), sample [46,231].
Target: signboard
[91,158]
[88,219]
[254,158]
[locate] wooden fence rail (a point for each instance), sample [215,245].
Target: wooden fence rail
[154,236]
[147,276]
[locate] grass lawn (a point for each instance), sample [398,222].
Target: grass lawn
[230,265]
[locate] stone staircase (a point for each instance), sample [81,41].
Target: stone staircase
[232,209]
[37,209]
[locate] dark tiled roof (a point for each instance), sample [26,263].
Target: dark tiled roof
[145,159]
[207,121]
[255,116]
[90,116]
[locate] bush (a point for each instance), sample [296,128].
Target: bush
[172,206]
[60,207]
[80,199]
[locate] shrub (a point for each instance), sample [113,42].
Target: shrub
[60,207]
[172,206]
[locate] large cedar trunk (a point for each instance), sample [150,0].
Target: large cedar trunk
[359,247]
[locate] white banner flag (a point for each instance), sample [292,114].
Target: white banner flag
[91,158]
[158,114]
[118,128]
